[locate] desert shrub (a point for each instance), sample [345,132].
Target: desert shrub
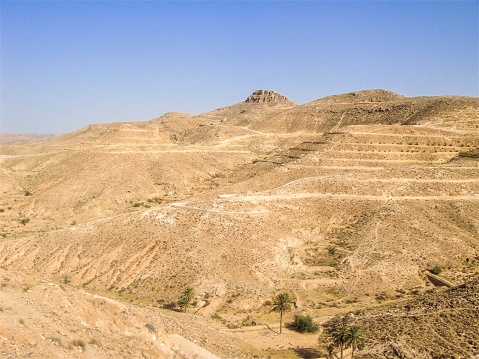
[248,321]
[60,342]
[170,306]
[381,296]
[24,221]
[79,343]
[95,341]
[331,250]
[28,193]
[151,328]
[305,324]
[436,270]
[470,154]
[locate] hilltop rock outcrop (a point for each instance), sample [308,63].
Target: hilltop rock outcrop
[265,96]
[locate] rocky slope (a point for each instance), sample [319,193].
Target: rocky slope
[41,319]
[437,324]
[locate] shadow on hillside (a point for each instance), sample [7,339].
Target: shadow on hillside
[307,353]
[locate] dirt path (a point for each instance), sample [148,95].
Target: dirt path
[335,128]
[361,168]
[298,196]
[362,144]
[390,152]
[252,213]
[385,180]
[401,135]
[282,197]
[177,151]
[441,160]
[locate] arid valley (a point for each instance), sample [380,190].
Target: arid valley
[362,206]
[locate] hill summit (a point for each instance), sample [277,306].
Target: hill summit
[263,96]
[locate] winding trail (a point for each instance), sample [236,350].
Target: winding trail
[282,197]
[251,213]
[335,127]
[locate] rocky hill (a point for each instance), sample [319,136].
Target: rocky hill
[266,96]
[438,324]
[342,201]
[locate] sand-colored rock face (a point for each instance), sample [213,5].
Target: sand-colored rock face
[266,96]
[342,202]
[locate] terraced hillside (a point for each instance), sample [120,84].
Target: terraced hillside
[343,202]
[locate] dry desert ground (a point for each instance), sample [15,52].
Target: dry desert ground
[347,203]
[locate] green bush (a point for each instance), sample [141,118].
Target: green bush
[436,270]
[305,324]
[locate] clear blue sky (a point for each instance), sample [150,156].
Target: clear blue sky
[67,64]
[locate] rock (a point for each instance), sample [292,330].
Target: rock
[200,304]
[266,96]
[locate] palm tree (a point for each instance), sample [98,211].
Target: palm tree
[282,304]
[186,298]
[330,349]
[355,339]
[340,335]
